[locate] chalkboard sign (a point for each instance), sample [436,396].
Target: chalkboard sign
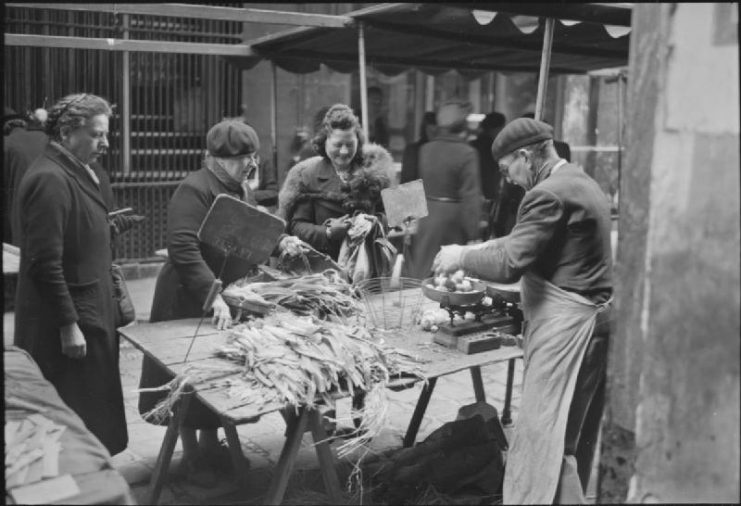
[240,229]
[405,201]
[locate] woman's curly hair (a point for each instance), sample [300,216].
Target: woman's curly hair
[339,117]
[73,111]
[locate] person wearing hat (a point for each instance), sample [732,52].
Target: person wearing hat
[489,128]
[560,250]
[186,277]
[449,168]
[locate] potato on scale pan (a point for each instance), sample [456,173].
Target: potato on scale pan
[456,282]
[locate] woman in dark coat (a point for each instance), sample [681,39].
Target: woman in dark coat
[449,168]
[65,311]
[410,159]
[186,278]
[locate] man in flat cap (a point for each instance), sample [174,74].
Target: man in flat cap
[560,250]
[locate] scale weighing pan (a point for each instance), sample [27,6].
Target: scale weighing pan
[240,229]
[404,202]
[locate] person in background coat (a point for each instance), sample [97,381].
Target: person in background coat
[263,181]
[65,310]
[184,281]
[22,146]
[410,159]
[449,168]
[490,127]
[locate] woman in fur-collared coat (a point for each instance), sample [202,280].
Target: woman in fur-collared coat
[320,193]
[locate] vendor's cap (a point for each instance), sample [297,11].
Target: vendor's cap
[519,133]
[231,138]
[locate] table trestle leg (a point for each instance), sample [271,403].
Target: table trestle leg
[287,459]
[478,384]
[326,458]
[507,412]
[419,412]
[240,463]
[168,446]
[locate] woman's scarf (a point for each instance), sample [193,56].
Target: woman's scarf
[241,188]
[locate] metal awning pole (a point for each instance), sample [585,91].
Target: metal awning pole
[274,115]
[363,84]
[545,64]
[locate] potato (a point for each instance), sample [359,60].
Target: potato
[458,276]
[465,286]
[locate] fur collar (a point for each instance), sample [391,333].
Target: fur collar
[362,191]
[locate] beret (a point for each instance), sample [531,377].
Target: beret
[518,133]
[231,138]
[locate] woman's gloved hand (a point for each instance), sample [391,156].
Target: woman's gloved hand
[337,228]
[73,341]
[222,318]
[292,246]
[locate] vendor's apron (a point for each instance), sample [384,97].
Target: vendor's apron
[558,326]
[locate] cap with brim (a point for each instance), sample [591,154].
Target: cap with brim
[230,139]
[519,133]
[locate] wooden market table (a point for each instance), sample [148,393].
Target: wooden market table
[167,344]
[82,455]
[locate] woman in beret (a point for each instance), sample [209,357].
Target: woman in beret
[184,282]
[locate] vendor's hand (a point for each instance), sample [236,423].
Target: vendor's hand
[73,341]
[222,318]
[291,246]
[448,259]
[124,222]
[337,228]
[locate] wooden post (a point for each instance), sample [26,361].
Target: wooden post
[545,63]
[363,83]
[274,115]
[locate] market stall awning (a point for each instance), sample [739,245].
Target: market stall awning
[471,38]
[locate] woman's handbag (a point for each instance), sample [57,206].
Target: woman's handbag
[125,312]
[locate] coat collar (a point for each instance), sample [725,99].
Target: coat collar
[77,171]
[450,138]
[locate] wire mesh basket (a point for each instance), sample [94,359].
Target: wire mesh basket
[390,307]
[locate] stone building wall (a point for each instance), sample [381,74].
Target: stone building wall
[673,415]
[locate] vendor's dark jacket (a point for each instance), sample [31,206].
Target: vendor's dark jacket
[562,234]
[314,193]
[186,278]
[65,278]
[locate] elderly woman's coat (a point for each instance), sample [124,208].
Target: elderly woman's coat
[186,278]
[65,278]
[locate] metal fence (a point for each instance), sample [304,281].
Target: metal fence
[164,103]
